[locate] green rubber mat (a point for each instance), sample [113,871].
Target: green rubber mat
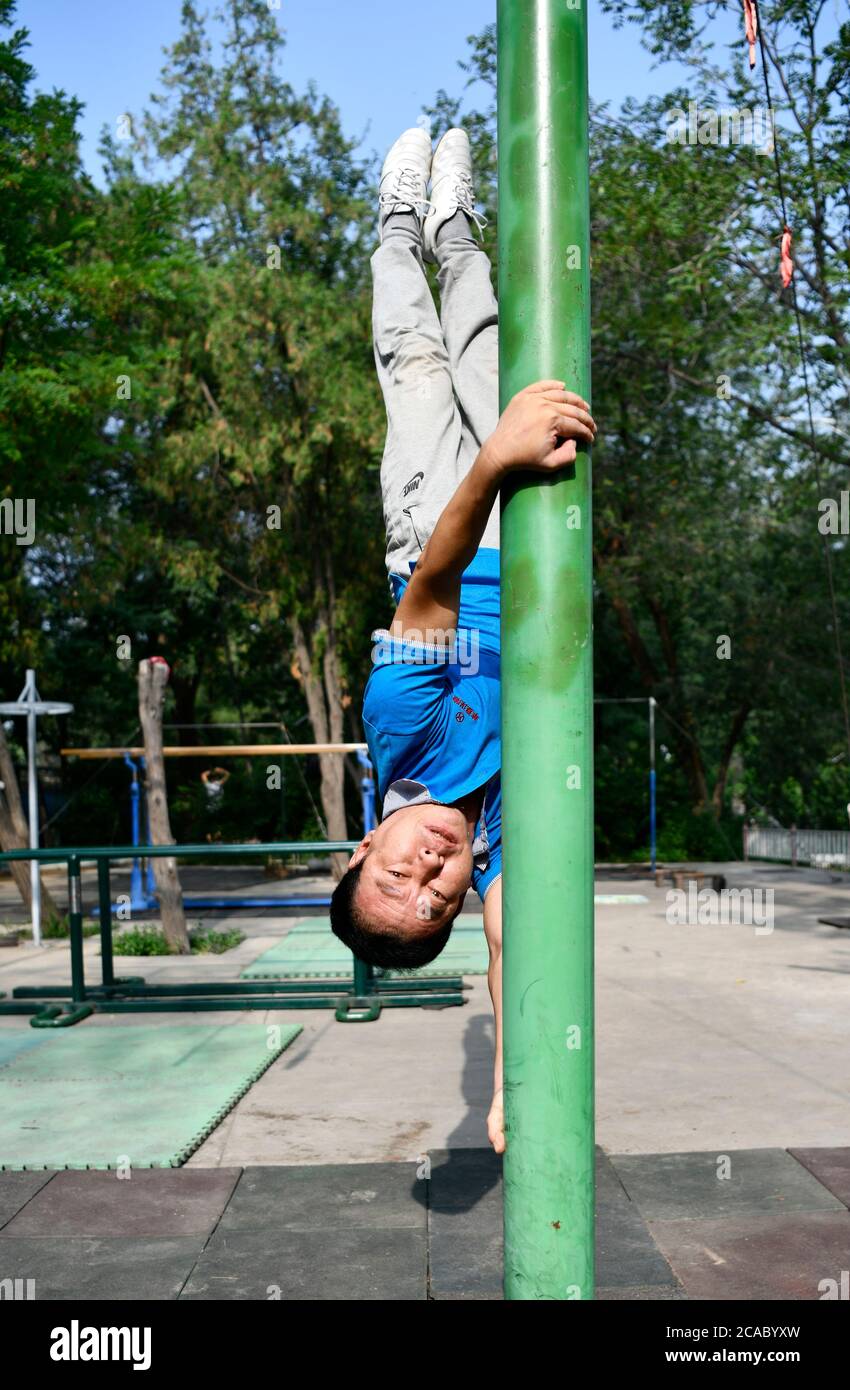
[311,951]
[13,1042]
[143,1097]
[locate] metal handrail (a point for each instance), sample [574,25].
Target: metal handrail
[63,855]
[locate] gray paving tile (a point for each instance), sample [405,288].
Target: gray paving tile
[645,1293]
[671,1187]
[16,1189]
[315,1265]
[336,1196]
[112,1270]
[626,1253]
[465,1192]
[609,1187]
[751,1257]
[170,1202]
[466,1266]
[830,1166]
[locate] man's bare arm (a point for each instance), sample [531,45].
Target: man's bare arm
[431,600]
[493,933]
[538,430]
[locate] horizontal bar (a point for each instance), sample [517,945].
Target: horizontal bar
[220,903]
[59,855]
[622,699]
[191,1006]
[219,750]
[189,990]
[318,1001]
[223,989]
[421,1001]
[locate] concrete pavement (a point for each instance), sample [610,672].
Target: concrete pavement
[708,1038]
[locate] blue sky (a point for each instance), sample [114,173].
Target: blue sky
[379,61]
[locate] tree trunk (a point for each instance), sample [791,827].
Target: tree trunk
[687,747]
[323,694]
[740,718]
[635,643]
[14,834]
[9,839]
[11,791]
[153,676]
[686,737]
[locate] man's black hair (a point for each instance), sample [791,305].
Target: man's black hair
[381,948]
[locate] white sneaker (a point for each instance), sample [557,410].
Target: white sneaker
[451,187]
[404,177]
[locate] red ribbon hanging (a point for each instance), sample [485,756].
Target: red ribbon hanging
[751,24]
[786,263]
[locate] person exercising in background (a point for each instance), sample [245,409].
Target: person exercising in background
[431,705]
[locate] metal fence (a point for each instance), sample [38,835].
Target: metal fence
[820,848]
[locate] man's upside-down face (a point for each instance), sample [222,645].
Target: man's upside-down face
[416,869]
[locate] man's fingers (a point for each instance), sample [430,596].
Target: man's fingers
[575,427]
[546,386]
[565,397]
[577,412]
[563,455]
[496,1135]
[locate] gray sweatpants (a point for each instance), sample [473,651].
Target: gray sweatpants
[439,376]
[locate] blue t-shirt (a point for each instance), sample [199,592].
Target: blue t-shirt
[432,715]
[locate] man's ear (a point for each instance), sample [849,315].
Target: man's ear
[362,849]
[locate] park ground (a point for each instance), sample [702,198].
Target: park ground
[357,1166]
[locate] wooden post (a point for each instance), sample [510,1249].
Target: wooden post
[153,678]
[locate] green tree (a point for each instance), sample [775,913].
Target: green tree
[74,269]
[266,442]
[705,536]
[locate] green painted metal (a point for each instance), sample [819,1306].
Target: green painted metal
[104,900]
[202,1003]
[75,923]
[547,709]
[358,1010]
[209,1004]
[58,1016]
[138,989]
[87,852]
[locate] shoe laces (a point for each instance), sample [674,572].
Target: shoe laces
[462,193]
[405,187]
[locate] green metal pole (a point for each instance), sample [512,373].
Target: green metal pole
[547,694]
[104,898]
[75,922]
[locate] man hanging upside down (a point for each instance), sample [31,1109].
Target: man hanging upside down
[431,707]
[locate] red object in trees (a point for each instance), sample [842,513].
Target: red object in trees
[751,24]
[786,263]
[161,661]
